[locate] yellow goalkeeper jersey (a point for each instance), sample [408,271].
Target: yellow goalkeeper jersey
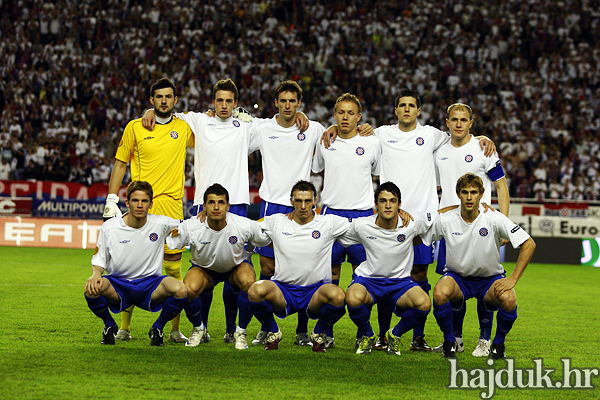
[157,156]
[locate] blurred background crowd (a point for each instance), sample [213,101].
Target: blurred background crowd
[73,73]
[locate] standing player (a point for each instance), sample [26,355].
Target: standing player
[302,279]
[157,157]
[407,160]
[461,155]
[478,273]
[218,255]
[385,275]
[130,251]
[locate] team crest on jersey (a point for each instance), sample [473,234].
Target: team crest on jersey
[233,239]
[420,141]
[316,234]
[468,158]
[301,136]
[153,237]
[236,123]
[401,237]
[360,151]
[483,232]
[174,134]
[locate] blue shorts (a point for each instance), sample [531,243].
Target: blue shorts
[267,209]
[423,254]
[137,292]
[356,253]
[385,291]
[237,209]
[473,286]
[441,261]
[218,277]
[297,298]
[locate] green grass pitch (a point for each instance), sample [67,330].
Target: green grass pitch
[50,344]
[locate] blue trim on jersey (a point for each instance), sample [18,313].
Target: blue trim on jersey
[237,209]
[423,254]
[385,290]
[474,286]
[296,297]
[355,253]
[267,209]
[137,292]
[496,173]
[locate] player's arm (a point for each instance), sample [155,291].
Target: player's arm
[94,282]
[503,195]
[486,145]
[331,133]
[527,249]
[302,121]
[112,200]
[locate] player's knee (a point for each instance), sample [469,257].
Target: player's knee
[423,302]
[337,297]
[246,282]
[354,299]
[508,300]
[257,292]
[180,290]
[440,294]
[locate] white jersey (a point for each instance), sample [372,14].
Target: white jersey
[133,253]
[453,162]
[222,250]
[407,161]
[286,157]
[473,249]
[220,155]
[348,164]
[389,251]
[303,252]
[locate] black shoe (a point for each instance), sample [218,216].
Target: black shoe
[419,344]
[108,334]
[497,351]
[449,349]
[156,337]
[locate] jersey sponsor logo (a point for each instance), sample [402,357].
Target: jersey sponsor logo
[211,124]
[516,228]
[149,137]
[371,237]
[443,158]
[125,241]
[468,158]
[286,233]
[457,233]
[153,237]
[236,123]
[360,151]
[316,234]
[273,137]
[301,136]
[428,216]
[233,239]
[483,232]
[401,237]
[420,141]
[332,149]
[392,141]
[204,242]
[174,134]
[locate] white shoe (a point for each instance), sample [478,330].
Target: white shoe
[482,349]
[460,346]
[329,342]
[302,339]
[123,335]
[196,337]
[241,342]
[177,337]
[261,338]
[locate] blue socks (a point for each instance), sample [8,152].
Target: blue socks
[170,309]
[504,320]
[384,318]
[361,317]
[244,308]
[485,320]
[419,330]
[207,298]
[263,312]
[457,319]
[328,316]
[230,301]
[194,311]
[443,316]
[302,326]
[410,318]
[99,306]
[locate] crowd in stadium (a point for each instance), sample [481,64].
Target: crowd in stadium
[75,72]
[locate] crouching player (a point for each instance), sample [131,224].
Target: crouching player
[473,269]
[218,255]
[130,251]
[384,277]
[302,278]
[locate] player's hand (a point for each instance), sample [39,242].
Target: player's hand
[111,209]
[365,130]
[503,285]
[302,121]
[149,120]
[94,284]
[405,217]
[242,114]
[290,216]
[486,145]
[201,216]
[329,136]
[210,113]
[487,207]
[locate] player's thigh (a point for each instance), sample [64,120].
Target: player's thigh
[169,287]
[415,297]
[243,276]
[357,295]
[266,290]
[108,291]
[197,281]
[267,265]
[446,289]
[506,299]
[328,293]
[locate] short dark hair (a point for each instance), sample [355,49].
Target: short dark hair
[287,86]
[163,83]
[408,93]
[350,98]
[388,187]
[139,185]
[227,85]
[217,190]
[469,179]
[303,186]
